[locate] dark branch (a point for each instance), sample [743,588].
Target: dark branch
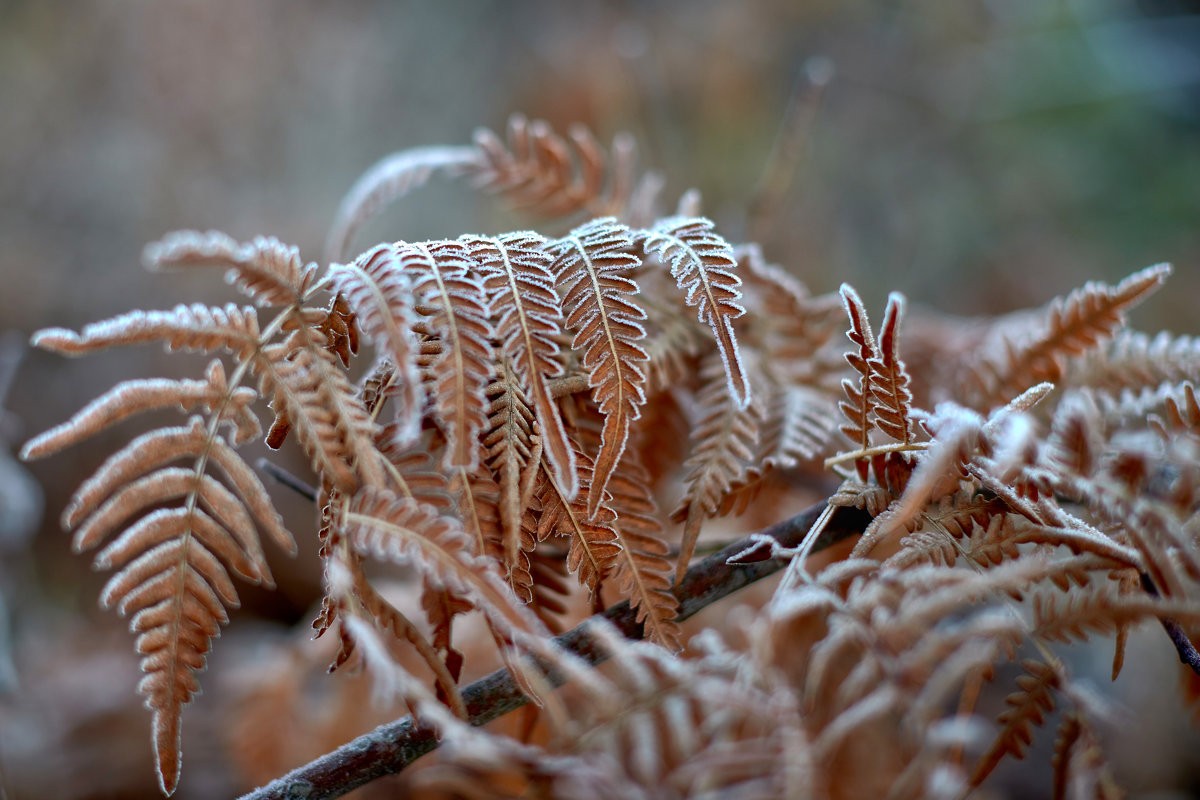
[392,747]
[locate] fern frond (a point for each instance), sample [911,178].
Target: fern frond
[457,308]
[643,571]
[1133,359]
[388,527]
[332,424]
[194,327]
[594,549]
[385,182]
[889,378]
[860,400]
[540,171]
[265,269]
[137,396]
[528,317]
[592,266]
[724,445]
[380,295]
[1027,710]
[703,266]
[172,562]
[1076,324]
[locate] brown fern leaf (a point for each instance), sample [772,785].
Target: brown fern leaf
[643,571]
[799,425]
[379,523]
[724,445]
[1027,710]
[134,397]
[509,446]
[1133,359]
[527,319]
[592,266]
[1076,324]
[594,549]
[794,326]
[333,426]
[540,171]
[265,269]
[703,266]
[194,327]
[889,378]
[457,308]
[173,563]
[860,400]
[385,182]
[380,295]
[441,607]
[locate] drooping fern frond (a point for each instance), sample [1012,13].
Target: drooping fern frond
[703,266]
[456,305]
[592,266]
[380,294]
[520,288]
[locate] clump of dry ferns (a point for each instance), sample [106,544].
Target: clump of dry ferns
[526,403]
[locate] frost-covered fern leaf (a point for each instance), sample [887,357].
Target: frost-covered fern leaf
[134,397]
[268,271]
[889,378]
[392,528]
[593,550]
[194,327]
[703,265]
[527,316]
[385,182]
[308,383]
[643,572]
[456,305]
[178,535]
[592,266]
[541,172]
[860,400]
[1076,324]
[380,294]
[724,444]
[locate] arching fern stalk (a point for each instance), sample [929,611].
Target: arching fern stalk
[528,397]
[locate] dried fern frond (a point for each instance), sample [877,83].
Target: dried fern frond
[889,378]
[380,524]
[1075,325]
[379,292]
[173,563]
[385,182]
[592,266]
[703,265]
[540,171]
[270,272]
[516,275]
[134,397]
[455,303]
[724,441]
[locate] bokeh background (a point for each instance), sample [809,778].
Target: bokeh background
[979,155]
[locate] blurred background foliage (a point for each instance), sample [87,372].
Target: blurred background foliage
[979,155]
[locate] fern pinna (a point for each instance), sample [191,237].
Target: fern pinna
[524,406]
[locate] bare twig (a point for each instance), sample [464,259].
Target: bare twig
[390,748]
